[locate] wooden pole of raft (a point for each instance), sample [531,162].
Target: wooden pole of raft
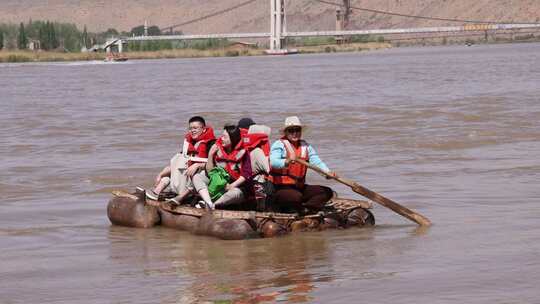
[374,196]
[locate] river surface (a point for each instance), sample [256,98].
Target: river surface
[451,132]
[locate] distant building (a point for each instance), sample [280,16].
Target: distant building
[240,45]
[34,45]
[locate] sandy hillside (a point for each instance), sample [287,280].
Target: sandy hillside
[306,15]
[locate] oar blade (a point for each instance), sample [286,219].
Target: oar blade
[374,196]
[390,204]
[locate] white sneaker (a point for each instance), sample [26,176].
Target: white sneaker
[152,195]
[204,205]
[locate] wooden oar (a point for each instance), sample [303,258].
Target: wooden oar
[374,196]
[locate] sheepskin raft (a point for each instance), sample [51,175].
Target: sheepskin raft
[134,210]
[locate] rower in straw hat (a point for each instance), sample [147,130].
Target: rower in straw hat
[289,176]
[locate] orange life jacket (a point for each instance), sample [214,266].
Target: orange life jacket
[294,173]
[231,162]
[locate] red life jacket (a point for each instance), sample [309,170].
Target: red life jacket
[256,140]
[198,147]
[294,173]
[231,162]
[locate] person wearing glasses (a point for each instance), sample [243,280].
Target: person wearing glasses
[176,178]
[292,194]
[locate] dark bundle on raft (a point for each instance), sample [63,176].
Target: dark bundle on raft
[134,210]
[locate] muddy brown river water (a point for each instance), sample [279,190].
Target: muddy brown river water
[451,132]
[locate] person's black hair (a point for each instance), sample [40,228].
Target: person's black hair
[234,134]
[209,145]
[245,123]
[197,118]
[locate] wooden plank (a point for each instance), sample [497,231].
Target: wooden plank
[121,193]
[346,203]
[226,214]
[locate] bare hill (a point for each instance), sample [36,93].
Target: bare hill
[99,15]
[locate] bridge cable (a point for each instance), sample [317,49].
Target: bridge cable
[421,17]
[209,15]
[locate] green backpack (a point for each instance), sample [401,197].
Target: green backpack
[219,178]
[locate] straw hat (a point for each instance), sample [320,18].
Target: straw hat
[292,121]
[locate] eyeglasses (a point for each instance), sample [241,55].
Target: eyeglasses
[294,129]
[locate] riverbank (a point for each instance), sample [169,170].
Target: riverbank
[44,56]
[341,48]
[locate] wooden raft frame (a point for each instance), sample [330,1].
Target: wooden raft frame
[340,205]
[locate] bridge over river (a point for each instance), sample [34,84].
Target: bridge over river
[278,27]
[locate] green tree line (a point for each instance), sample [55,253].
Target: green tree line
[67,37]
[49,35]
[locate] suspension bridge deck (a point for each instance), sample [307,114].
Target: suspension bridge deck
[421,30]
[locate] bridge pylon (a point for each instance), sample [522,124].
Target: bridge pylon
[278,27]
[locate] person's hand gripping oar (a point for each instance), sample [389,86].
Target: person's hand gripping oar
[374,196]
